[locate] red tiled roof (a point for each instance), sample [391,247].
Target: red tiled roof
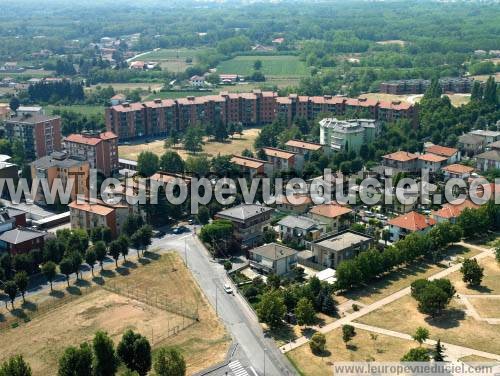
[401,156]
[432,158]
[458,169]
[274,152]
[97,209]
[394,105]
[412,221]
[90,140]
[304,145]
[453,210]
[331,210]
[441,150]
[247,162]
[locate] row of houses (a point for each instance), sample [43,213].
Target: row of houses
[158,117]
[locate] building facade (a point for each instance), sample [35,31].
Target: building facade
[159,117]
[99,149]
[40,134]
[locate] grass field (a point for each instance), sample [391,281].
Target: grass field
[83,109]
[203,343]
[279,65]
[363,347]
[487,307]
[177,94]
[484,77]
[210,149]
[401,278]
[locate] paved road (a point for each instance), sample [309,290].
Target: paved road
[260,352]
[485,252]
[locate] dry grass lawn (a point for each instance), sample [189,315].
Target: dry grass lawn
[487,307]
[452,327]
[490,283]
[402,278]
[210,148]
[203,343]
[474,358]
[364,347]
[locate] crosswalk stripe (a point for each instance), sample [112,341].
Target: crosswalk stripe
[237,368]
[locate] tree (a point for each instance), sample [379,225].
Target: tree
[317,343]
[147,163]
[172,162]
[419,354]
[76,361]
[21,279]
[49,271]
[132,223]
[105,361]
[257,65]
[421,335]
[124,246]
[273,281]
[146,235]
[135,351]
[432,296]
[438,355]
[10,289]
[328,306]
[91,258]
[14,104]
[497,253]
[490,95]
[193,139]
[66,267]
[271,309]
[136,242]
[169,362]
[472,272]
[348,333]
[15,366]
[228,265]
[115,251]
[76,262]
[305,313]
[203,215]
[100,252]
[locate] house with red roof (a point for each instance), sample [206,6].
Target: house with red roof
[449,212]
[457,171]
[431,162]
[401,160]
[336,217]
[409,223]
[453,155]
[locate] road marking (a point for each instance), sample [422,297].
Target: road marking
[237,368]
[253,370]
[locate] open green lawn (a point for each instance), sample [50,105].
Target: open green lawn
[81,108]
[277,65]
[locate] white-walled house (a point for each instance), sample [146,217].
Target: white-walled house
[409,223]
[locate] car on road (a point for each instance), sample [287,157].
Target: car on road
[191,221]
[180,229]
[228,288]
[159,234]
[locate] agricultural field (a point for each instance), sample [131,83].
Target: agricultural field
[484,77]
[363,347]
[274,65]
[128,86]
[177,94]
[149,300]
[210,148]
[173,60]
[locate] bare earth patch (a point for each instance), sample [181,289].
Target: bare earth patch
[155,300]
[210,148]
[487,307]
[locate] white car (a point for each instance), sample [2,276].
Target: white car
[228,288]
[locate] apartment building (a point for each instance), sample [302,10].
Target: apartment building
[341,135]
[283,160]
[130,120]
[401,161]
[304,148]
[416,86]
[249,221]
[251,166]
[99,149]
[60,166]
[40,134]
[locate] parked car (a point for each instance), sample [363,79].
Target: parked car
[228,288]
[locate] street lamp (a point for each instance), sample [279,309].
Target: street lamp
[265,349]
